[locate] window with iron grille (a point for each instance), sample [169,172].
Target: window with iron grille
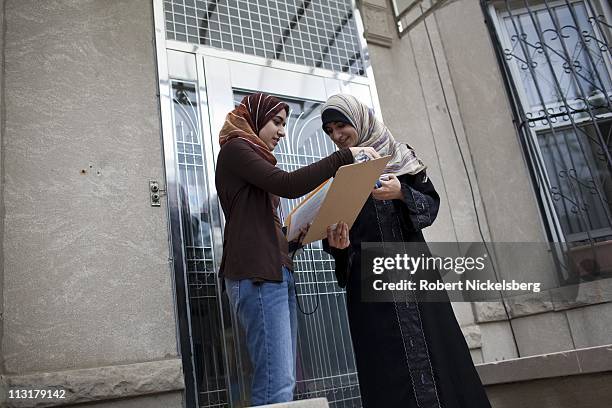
[316,33]
[556,60]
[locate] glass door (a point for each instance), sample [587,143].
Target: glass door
[204,88]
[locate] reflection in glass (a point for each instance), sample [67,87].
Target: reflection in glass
[580,181]
[206,328]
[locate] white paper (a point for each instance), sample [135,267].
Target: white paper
[307,211]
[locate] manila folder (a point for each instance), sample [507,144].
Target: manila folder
[342,200]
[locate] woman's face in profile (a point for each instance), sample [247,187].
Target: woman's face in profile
[342,134]
[272,132]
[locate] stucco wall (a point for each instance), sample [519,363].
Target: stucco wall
[1,176]
[86,275]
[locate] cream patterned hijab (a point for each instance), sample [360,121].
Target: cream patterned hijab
[373,133]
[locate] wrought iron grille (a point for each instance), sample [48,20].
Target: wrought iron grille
[325,363]
[555,57]
[317,33]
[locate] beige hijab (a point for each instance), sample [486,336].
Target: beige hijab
[373,133]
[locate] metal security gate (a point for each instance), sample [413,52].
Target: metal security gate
[556,60]
[199,85]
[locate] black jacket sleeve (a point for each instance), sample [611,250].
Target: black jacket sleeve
[420,200]
[342,261]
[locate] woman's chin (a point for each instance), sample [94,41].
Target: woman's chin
[345,145]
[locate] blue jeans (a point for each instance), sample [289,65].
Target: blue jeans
[267,313]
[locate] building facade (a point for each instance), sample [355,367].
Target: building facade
[112,231]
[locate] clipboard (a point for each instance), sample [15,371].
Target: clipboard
[341,197]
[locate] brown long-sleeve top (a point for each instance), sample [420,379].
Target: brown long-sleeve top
[245,184]
[283,245]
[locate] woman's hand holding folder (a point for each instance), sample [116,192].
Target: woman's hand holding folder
[338,237]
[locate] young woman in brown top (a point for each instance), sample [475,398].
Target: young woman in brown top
[255,264]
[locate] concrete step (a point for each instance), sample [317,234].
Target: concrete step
[309,403]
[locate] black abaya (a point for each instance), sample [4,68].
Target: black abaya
[408,354]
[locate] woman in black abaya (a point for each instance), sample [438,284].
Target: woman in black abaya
[408,354]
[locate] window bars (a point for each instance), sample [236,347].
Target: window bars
[556,62]
[316,33]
